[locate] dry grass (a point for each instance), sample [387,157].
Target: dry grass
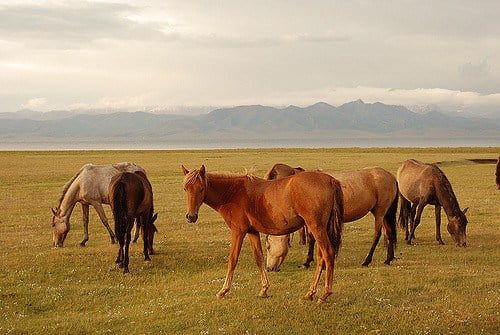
[429,289]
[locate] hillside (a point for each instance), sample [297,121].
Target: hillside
[320,120]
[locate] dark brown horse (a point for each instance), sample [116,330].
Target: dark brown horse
[366,190]
[421,184]
[131,198]
[497,173]
[250,205]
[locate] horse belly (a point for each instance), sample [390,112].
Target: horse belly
[278,224]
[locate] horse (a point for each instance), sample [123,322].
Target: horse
[131,198]
[421,184]
[366,190]
[497,173]
[251,205]
[89,186]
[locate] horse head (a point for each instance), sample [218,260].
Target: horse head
[60,227]
[277,249]
[456,227]
[195,184]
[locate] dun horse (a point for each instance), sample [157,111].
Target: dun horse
[250,205]
[421,184]
[367,190]
[131,197]
[89,186]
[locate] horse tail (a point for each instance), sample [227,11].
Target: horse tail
[336,220]
[120,210]
[390,217]
[404,212]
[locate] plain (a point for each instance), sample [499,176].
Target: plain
[429,289]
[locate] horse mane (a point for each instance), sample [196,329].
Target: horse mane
[194,175]
[445,191]
[70,182]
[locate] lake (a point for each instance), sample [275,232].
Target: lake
[142,144]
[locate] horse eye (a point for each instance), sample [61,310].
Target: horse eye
[202,189]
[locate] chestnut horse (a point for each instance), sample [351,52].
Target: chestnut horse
[421,184]
[131,197]
[367,190]
[250,205]
[89,186]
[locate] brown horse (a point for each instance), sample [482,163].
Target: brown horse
[131,197]
[421,184]
[89,186]
[497,173]
[250,205]
[367,190]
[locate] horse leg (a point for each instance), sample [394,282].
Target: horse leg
[327,255]
[120,235]
[137,231]
[317,275]
[128,235]
[376,238]
[236,242]
[257,254]
[437,210]
[85,216]
[416,221]
[310,250]
[410,228]
[302,234]
[104,219]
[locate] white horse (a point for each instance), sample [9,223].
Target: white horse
[89,186]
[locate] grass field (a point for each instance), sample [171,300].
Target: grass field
[429,289]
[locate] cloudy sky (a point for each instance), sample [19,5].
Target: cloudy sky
[141,55]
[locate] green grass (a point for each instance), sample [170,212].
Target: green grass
[429,289]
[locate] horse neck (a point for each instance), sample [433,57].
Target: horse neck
[69,200]
[446,197]
[223,190]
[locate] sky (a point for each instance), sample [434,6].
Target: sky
[179,55]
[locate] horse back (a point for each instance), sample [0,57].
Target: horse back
[132,186]
[366,190]
[417,180]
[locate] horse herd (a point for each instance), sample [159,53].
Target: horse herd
[286,200]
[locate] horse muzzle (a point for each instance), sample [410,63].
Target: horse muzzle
[191,218]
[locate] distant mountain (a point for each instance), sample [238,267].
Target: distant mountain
[320,120]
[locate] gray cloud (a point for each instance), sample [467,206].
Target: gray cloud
[69,26]
[479,69]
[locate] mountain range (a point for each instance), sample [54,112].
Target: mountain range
[320,120]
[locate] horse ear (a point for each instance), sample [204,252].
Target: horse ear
[202,171]
[186,171]
[465,210]
[53,211]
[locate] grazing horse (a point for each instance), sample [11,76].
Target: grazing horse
[131,197]
[250,205]
[497,173]
[421,184]
[367,190]
[89,186]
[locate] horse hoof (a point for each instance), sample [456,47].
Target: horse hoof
[365,264]
[309,296]
[82,244]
